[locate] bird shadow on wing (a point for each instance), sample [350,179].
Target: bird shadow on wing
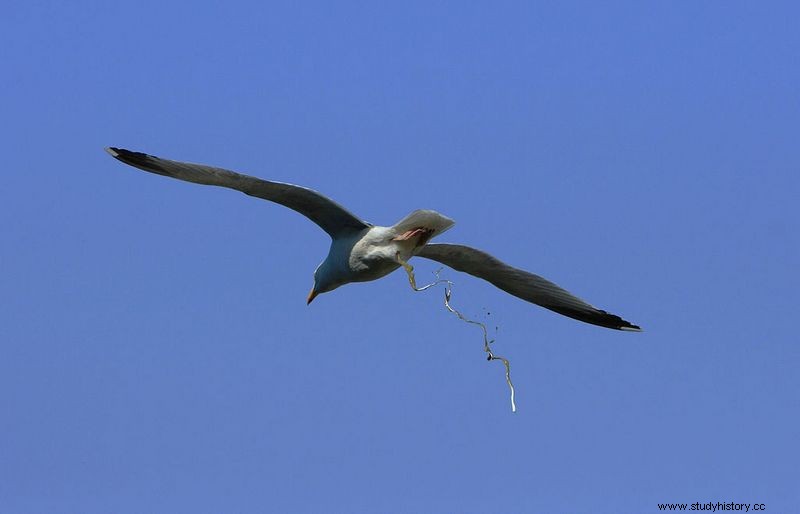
[448,289]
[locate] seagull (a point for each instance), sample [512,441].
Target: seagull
[361,251]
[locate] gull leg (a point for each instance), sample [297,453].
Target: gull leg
[412,279]
[405,236]
[424,234]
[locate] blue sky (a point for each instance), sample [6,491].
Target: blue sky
[156,351]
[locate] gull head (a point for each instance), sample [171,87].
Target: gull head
[326,279]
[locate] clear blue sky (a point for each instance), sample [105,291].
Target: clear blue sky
[156,351]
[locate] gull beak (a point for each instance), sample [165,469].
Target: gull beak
[311,296]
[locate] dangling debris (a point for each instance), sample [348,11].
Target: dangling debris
[447,293]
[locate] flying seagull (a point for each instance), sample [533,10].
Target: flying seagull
[361,251]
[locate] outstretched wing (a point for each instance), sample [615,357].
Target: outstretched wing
[522,284]
[329,215]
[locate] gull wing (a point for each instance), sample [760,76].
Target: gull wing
[329,215]
[522,284]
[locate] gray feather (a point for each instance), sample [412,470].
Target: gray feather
[522,284]
[329,215]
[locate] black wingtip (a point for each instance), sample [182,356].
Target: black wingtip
[598,317]
[139,160]
[613,321]
[126,156]
[630,327]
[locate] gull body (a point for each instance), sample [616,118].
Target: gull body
[361,252]
[373,252]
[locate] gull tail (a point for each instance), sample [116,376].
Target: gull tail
[424,219]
